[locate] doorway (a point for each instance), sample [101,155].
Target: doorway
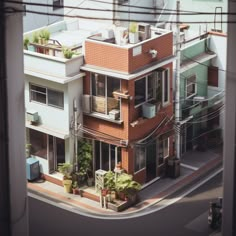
[151,161]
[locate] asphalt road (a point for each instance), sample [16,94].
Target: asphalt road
[187,217]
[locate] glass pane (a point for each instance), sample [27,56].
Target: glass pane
[38,143]
[105,156]
[55,98]
[166,86]
[38,94]
[113,84]
[151,86]
[139,158]
[140,91]
[113,156]
[98,85]
[60,148]
[97,155]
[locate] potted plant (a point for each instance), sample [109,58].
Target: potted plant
[126,186]
[110,184]
[35,37]
[26,42]
[67,52]
[44,36]
[66,170]
[84,160]
[133,33]
[75,188]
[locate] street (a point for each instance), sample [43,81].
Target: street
[186,217]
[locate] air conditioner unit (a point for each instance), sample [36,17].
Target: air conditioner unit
[86,103]
[144,30]
[114,114]
[149,110]
[32,116]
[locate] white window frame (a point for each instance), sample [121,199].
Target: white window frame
[191,84]
[91,93]
[146,89]
[136,159]
[100,155]
[163,81]
[46,95]
[158,147]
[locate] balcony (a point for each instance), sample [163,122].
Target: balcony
[51,65]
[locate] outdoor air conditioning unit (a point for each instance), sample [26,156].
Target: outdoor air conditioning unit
[144,30]
[149,110]
[86,103]
[32,116]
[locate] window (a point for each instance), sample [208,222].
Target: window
[107,156]
[163,92]
[102,93]
[38,143]
[57,4]
[46,96]
[163,149]
[191,86]
[144,89]
[140,158]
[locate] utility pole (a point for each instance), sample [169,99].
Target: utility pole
[177,83]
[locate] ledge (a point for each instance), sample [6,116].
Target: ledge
[104,117]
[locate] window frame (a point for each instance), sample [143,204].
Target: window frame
[46,96]
[188,84]
[164,88]
[159,142]
[106,77]
[142,163]
[57,4]
[147,99]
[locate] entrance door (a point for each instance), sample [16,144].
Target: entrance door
[56,152]
[51,155]
[151,162]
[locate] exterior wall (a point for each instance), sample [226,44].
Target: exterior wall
[33,21]
[120,58]
[204,6]
[50,116]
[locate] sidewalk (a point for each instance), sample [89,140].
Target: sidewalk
[194,166]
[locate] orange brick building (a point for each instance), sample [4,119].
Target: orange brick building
[127,103]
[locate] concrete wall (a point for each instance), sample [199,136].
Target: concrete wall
[50,116]
[33,21]
[203,6]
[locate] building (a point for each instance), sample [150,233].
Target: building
[53,84]
[215,20]
[120,11]
[202,92]
[127,100]
[47,8]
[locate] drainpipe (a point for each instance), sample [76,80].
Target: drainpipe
[177,84]
[75,163]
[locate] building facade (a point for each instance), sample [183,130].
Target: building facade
[127,102]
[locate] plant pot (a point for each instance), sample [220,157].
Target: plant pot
[133,38]
[67,183]
[75,191]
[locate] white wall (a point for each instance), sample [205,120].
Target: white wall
[203,6]
[218,44]
[33,21]
[49,116]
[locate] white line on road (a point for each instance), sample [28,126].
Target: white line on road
[189,167]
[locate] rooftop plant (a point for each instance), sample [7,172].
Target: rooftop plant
[67,52]
[133,27]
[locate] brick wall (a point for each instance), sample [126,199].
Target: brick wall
[121,59]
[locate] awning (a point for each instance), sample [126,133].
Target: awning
[48,130]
